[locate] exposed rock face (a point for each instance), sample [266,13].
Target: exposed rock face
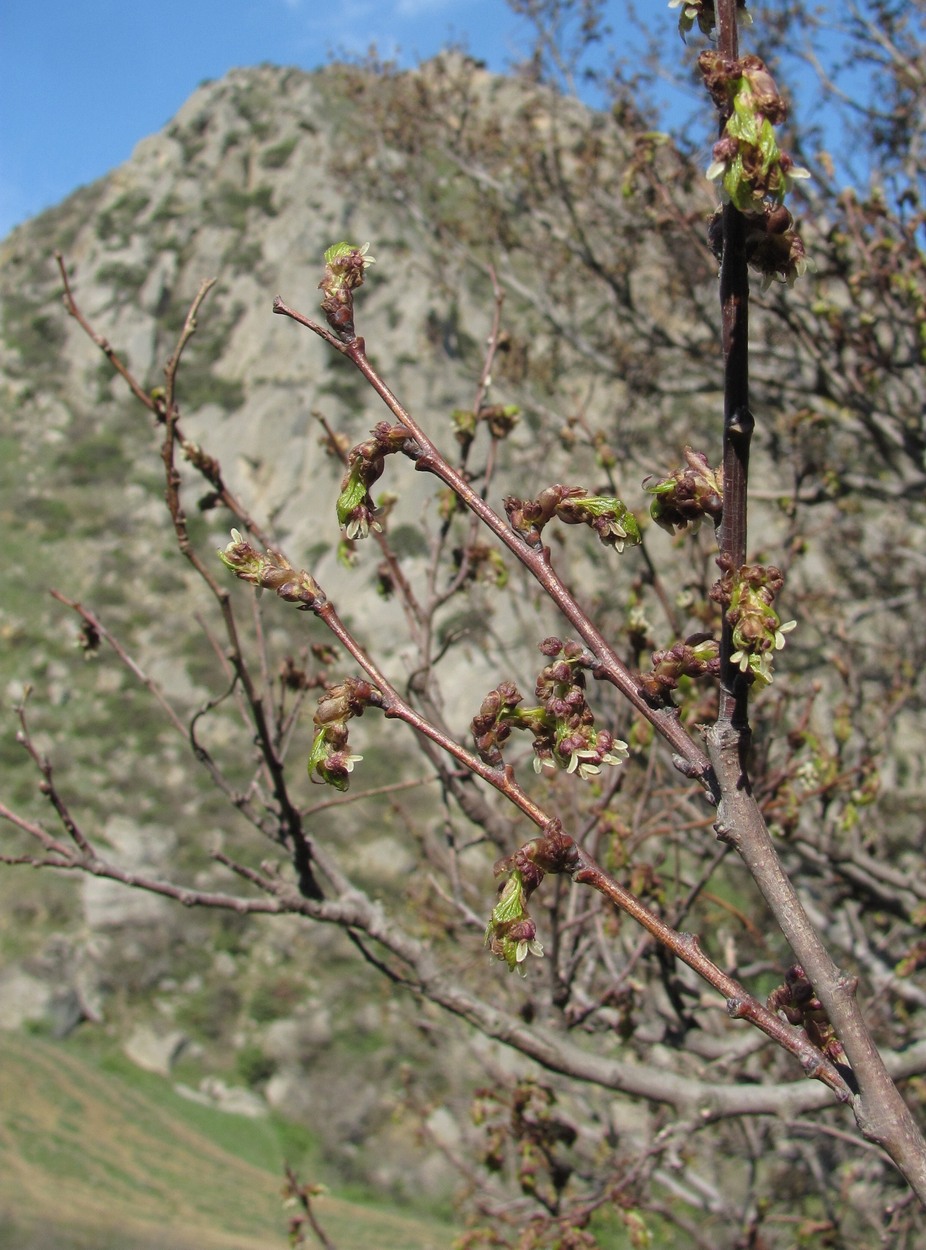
[24,999]
[54,989]
[255,176]
[239,187]
[253,179]
[294,1042]
[155,1050]
[108,904]
[248,185]
[213,1092]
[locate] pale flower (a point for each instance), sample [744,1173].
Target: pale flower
[526,948]
[780,633]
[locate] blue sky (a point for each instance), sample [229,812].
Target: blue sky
[81,81]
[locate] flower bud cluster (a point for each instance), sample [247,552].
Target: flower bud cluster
[492,726]
[797,1001]
[521,1126]
[330,761]
[511,934]
[748,595]
[688,495]
[356,509]
[293,676]
[271,571]
[614,524]
[773,246]
[753,172]
[563,726]
[501,419]
[697,656]
[344,272]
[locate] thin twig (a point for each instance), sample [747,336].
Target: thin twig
[611,667]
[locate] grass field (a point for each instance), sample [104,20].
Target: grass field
[96,1155]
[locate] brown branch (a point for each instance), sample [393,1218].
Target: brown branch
[102,343]
[268,826]
[98,628]
[395,706]
[302,1195]
[51,845]
[48,787]
[551,1049]
[428,458]
[156,402]
[558,853]
[880,1112]
[290,830]
[60,855]
[738,421]
[374,792]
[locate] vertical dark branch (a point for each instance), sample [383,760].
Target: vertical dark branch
[737,418]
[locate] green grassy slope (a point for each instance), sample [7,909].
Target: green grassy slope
[94,1154]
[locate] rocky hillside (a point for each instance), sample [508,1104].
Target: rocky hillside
[592,227]
[252,180]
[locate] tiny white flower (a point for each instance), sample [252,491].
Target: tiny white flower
[761,666]
[360,527]
[578,763]
[526,948]
[617,755]
[781,631]
[587,763]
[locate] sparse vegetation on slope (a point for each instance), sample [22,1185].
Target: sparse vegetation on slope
[545,303]
[97,1154]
